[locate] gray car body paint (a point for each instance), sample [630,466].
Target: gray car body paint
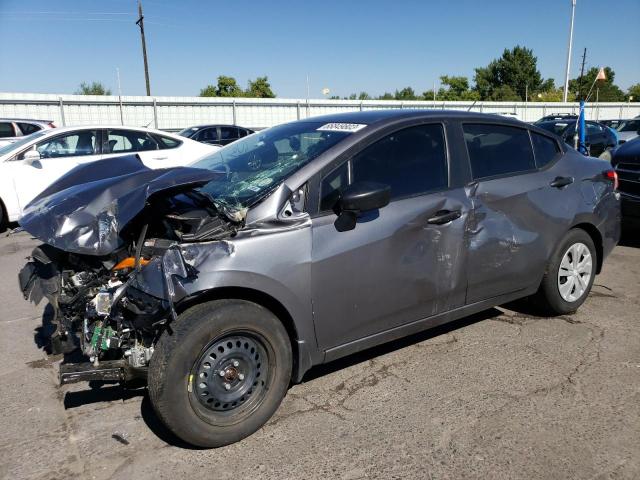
[394,275]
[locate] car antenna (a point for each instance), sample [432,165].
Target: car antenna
[472,105]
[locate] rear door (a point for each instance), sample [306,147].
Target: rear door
[152,149]
[516,211]
[400,264]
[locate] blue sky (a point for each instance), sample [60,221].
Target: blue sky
[345,45]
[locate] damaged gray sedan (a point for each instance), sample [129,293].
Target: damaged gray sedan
[223,283]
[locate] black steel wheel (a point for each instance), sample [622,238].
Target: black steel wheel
[221,372]
[231,373]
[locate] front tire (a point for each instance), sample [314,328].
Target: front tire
[569,276]
[4,220]
[221,372]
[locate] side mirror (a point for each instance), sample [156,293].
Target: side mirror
[359,198]
[31,156]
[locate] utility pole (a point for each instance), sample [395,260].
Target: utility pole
[120,96]
[584,59]
[566,76]
[140,23]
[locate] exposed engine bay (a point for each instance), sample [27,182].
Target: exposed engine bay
[114,307]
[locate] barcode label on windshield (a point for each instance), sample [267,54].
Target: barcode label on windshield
[341,127]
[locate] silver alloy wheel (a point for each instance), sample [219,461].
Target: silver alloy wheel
[575,272]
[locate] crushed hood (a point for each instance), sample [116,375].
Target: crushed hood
[85,210]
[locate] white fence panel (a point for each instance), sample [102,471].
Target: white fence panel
[174,113]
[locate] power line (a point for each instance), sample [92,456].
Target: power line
[64,13]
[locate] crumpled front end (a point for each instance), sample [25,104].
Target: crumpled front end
[110,311]
[110,259]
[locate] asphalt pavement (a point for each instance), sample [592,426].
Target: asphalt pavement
[500,395]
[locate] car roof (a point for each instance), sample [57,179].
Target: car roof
[370,117]
[105,127]
[24,120]
[209,125]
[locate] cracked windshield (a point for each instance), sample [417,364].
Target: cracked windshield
[253,166]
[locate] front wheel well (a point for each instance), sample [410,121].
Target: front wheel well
[256,296]
[595,235]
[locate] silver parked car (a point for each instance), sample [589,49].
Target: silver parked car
[628,130]
[12,129]
[304,243]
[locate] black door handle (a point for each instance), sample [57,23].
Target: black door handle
[444,216]
[560,182]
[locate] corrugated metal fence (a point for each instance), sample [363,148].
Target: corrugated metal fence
[173,113]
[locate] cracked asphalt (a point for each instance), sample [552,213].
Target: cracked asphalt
[500,395]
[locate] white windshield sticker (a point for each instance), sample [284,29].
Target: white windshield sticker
[341,127]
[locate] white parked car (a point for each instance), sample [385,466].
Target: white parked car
[33,162]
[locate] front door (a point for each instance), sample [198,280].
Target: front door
[58,155]
[402,263]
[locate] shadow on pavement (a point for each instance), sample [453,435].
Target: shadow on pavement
[99,392]
[356,358]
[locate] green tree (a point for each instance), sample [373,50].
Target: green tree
[504,93]
[454,88]
[260,88]
[406,93]
[512,73]
[549,95]
[208,91]
[634,91]
[364,96]
[228,87]
[607,91]
[386,96]
[93,88]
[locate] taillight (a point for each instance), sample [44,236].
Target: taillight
[613,176]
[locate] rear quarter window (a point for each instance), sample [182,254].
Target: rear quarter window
[496,150]
[28,128]
[167,142]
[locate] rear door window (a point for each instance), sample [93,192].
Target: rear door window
[122,141]
[228,133]
[207,135]
[6,130]
[498,150]
[546,149]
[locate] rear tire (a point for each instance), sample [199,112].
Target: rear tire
[221,373]
[569,276]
